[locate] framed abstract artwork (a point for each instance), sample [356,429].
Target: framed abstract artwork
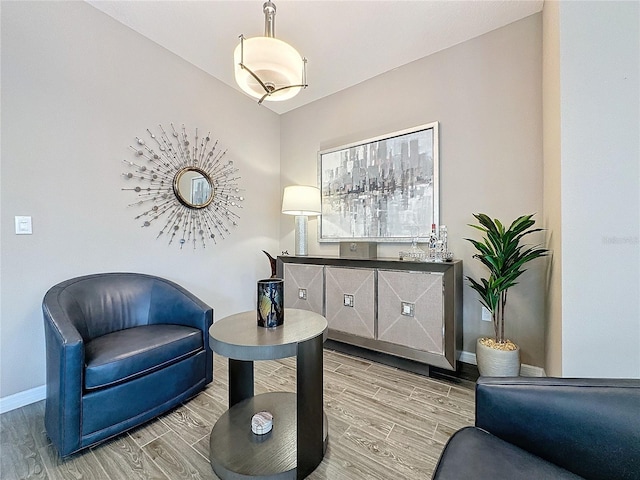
[382,189]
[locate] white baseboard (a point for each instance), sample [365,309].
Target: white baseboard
[531,371]
[467,357]
[525,370]
[21,399]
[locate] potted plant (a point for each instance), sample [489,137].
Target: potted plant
[503,254]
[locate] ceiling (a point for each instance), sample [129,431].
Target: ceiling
[346,42]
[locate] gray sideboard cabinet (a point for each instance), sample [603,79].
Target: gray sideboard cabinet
[411,310]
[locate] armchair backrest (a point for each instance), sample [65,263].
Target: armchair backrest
[588,426]
[103,303]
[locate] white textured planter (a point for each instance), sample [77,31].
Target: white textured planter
[497,363]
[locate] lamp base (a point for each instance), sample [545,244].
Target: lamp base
[301,236]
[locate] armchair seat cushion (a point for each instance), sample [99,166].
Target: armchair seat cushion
[126,354]
[475,453]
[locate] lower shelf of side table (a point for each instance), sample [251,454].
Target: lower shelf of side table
[237,453]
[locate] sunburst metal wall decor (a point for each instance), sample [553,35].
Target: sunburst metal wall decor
[190,189]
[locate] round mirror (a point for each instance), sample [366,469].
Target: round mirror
[193,187]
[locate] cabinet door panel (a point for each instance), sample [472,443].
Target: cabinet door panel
[350,300]
[410,309]
[303,287]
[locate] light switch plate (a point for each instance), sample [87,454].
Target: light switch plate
[23,225]
[486,314]
[302,293]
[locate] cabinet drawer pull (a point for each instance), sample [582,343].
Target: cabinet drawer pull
[348,300]
[407,309]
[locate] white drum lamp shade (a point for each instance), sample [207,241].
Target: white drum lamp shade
[302,201]
[267,68]
[275,62]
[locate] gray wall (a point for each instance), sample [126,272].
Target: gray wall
[486,94]
[77,88]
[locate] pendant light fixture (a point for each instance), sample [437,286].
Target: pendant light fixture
[267,68]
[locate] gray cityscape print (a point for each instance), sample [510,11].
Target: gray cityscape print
[382,190]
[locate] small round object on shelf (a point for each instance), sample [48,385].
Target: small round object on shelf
[261,423]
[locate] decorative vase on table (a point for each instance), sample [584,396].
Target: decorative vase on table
[271,302]
[271,298]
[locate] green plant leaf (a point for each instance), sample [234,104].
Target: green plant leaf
[502,253]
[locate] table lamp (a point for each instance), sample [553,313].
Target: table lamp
[302,201]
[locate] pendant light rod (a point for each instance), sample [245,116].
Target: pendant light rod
[269,9]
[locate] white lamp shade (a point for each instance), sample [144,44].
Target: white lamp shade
[301,200]
[275,62]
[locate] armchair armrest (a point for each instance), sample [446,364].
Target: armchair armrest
[587,426]
[170,303]
[64,372]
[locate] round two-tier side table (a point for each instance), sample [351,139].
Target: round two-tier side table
[298,441]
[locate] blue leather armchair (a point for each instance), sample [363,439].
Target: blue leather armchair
[548,428]
[121,348]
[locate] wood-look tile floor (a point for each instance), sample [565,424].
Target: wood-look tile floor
[384,423]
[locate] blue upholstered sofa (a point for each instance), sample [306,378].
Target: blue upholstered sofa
[121,348]
[548,429]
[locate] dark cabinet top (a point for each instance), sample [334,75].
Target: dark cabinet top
[389,263]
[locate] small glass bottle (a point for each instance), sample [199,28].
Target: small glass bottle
[433,240]
[415,252]
[444,239]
